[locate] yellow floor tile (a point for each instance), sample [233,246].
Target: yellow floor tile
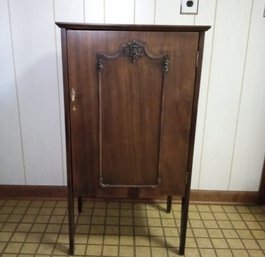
[207,253]
[13,247]
[45,248]
[94,250]
[240,253]
[256,253]
[110,250]
[5,236]
[111,240]
[2,246]
[126,251]
[224,253]
[142,241]
[230,233]
[142,251]
[159,252]
[126,240]
[235,243]
[29,248]
[250,244]
[204,242]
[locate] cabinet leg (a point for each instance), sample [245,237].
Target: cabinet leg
[71,250]
[184,221]
[71,222]
[80,204]
[169,203]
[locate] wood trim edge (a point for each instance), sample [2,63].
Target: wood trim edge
[22,191]
[131,27]
[262,186]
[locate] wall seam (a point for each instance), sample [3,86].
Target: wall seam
[134,11]
[207,97]
[154,12]
[104,11]
[63,165]
[84,10]
[240,98]
[17,94]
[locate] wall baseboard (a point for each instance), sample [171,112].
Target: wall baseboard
[224,196]
[21,191]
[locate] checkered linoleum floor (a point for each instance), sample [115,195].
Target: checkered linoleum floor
[129,229]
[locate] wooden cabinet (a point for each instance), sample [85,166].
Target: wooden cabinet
[131,96]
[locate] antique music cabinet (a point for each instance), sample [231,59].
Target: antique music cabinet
[131,95]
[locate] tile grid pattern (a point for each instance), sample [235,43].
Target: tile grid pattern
[112,228]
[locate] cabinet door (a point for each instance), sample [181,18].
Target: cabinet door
[131,114]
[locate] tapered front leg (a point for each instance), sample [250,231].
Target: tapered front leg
[71,222]
[184,222]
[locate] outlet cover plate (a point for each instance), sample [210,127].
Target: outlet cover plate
[189,6]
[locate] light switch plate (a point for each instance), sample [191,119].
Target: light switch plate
[189,6]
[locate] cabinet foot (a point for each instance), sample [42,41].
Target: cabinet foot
[169,204]
[71,251]
[181,251]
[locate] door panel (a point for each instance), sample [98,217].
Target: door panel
[131,125]
[130,111]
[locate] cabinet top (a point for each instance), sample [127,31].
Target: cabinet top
[130,27]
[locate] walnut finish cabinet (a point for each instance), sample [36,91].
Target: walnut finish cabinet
[131,95]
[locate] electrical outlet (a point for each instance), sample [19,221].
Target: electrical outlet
[189,6]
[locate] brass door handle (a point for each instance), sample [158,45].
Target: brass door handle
[73,95]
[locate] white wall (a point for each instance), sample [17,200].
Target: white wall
[230,138]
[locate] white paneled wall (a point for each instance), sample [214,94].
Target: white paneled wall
[230,138]
[144,12]
[119,11]
[225,84]
[168,12]
[206,15]
[249,138]
[33,40]
[11,153]
[93,11]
